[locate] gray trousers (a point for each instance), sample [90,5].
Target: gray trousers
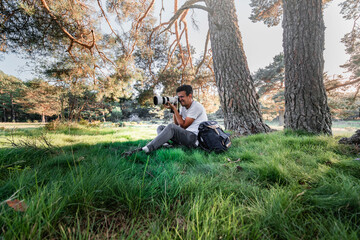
[174,133]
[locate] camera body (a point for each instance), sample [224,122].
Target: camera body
[164,100]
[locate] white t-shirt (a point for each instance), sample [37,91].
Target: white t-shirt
[195,111]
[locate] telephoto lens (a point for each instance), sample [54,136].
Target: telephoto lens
[163,100]
[158,100]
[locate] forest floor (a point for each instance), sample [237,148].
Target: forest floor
[72,183]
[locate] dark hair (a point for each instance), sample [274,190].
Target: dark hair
[187,88]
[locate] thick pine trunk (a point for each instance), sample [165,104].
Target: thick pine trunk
[305,97]
[238,96]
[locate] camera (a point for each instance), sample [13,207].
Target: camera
[164,100]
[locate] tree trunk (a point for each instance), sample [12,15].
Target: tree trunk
[43,118]
[238,97]
[12,108]
[104,119]
[281,117]
[62,113]
[4,111]
[71,109]
[305,97]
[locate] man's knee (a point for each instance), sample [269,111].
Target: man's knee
[172,127]
[160,128]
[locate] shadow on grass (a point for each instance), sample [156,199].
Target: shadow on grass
[67,131]
[17,159]
[88,132]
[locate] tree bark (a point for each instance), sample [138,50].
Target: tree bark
[281,117]
[306,105]
[4,111]
[71,108]
[238,97]
[43,118]
[12,108]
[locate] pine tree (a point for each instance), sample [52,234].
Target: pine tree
[236,89]
[303,40]
[305,97]
[351,11]
[270,84]
[10,87]
[40,98]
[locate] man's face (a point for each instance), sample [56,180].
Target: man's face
[184,100]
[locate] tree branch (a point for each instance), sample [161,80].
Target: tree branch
[205,50]
[189,59]
[187,5]
[145,14]
[343,84]
[72,38]
[112,30]
[103,56]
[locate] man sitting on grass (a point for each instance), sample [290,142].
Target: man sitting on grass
[184,130]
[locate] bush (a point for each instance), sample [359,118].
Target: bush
[84,122]
[53,125]
[94,124]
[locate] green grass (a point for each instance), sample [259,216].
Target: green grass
[287,185]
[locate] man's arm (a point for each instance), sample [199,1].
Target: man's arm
[175,120]
[178,119]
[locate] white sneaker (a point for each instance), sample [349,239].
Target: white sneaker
[167,145]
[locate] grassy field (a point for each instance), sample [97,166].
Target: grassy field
[76,185]
[344,128]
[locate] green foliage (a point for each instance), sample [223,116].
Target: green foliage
[287,185]
[351,11]
[30,28]
[268,11]
[10,88]
[272,77]
[344,105]
[41,98]
[53,125]
[270,84]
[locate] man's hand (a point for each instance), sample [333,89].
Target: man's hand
[168,105]
[178,120]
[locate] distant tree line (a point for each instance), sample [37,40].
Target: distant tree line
[39,100]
